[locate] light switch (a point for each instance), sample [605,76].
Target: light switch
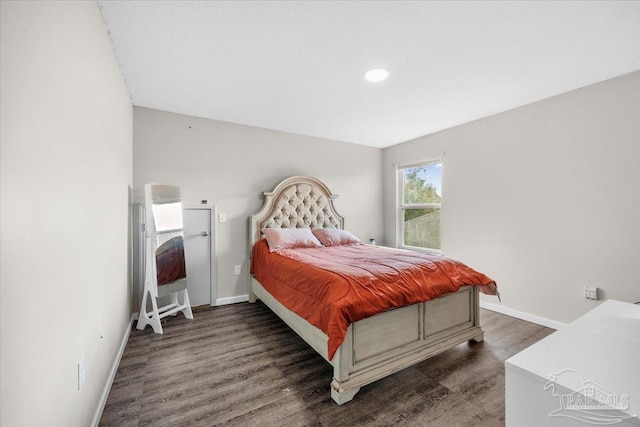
[222,217]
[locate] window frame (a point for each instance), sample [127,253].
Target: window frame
[402,206]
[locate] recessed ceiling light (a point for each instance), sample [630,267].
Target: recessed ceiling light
[376,75]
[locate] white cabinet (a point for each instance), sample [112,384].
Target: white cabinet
[587,373]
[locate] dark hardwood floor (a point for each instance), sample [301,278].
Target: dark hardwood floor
[241,365]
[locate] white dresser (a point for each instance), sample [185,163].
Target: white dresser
[587,373]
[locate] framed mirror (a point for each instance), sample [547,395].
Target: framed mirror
[165,267]
[167,237]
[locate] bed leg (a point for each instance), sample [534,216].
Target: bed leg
[341,396]
[478,338]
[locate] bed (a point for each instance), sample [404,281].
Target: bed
[374,346]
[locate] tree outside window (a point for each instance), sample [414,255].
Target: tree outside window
[420,203]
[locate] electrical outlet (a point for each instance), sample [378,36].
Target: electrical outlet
[237,270]
[100,337]
[82,373]
[591,293]
[222,217]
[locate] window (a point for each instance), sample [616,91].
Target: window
[420,198]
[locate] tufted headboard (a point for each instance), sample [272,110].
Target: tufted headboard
[297,202]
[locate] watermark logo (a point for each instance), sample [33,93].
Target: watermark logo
[590,403]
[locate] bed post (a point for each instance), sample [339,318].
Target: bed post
[342,362]
[253,226]
[476,314]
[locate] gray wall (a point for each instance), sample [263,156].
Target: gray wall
[231,165]
[545,198]
[66,131]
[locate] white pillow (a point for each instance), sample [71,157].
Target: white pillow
[289,238]
[335,237]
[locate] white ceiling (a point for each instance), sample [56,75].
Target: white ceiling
[297,66]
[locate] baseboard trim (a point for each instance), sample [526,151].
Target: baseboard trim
[112,374]
[522,315]
[232,300]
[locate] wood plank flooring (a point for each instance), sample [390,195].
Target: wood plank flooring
[240,365]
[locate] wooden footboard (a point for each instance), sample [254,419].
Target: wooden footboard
[388,342]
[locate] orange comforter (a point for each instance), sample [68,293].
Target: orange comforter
[332,287]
